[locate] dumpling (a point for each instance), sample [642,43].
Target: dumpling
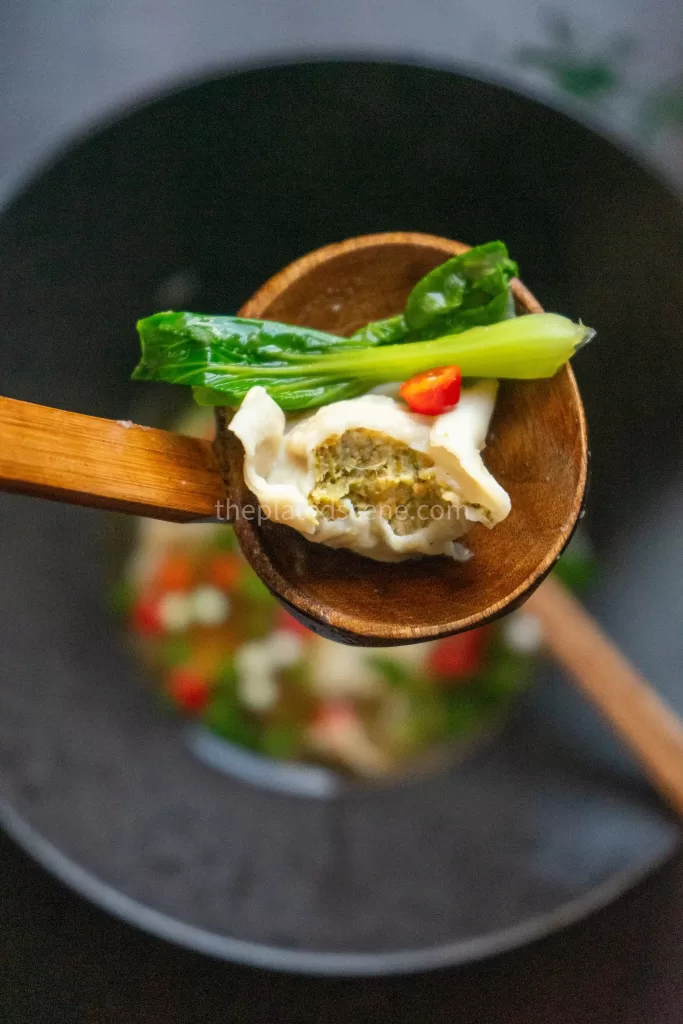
[369,475]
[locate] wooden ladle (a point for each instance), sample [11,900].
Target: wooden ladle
[537,449]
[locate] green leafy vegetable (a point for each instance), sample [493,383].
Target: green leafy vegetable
[397,675]
[280,739]
[253,589]
[225,540]
[181,348]
[577,567]
[467,291]
[176,651]
[230,355]
[459,314]
[225,716]
[467,708]
[383,332]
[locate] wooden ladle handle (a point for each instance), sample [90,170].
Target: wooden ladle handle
[638,715]
[107,464]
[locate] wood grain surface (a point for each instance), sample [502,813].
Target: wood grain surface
[636,712]
[537,450]
[107,464]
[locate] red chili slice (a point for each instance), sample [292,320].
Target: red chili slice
[145,618]
[460,656]
[174,573]
[188,689]
[291,625]
[225,570]
[433,392]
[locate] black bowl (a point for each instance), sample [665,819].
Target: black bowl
[195,200]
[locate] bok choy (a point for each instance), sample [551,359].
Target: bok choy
[460,314]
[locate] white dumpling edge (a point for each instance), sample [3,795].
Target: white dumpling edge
[279,470]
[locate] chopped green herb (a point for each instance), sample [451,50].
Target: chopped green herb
[280,740]
[225,540]
[176,651]
[397,675]
[226,717]
[121,597]
[467,708]
[226,675]
[577,567]
[252,588]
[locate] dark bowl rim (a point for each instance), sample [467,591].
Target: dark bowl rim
[348,964]
[22,179]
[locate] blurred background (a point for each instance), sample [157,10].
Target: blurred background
[66,65]
[616,68]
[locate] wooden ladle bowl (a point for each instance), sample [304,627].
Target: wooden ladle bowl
[537,449]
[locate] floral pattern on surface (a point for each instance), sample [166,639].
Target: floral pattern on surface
[581,71]
[611,77]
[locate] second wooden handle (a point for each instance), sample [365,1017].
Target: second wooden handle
[644,721]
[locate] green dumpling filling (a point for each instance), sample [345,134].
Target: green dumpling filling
[370,471]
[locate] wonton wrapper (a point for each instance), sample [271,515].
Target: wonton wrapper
[279,468]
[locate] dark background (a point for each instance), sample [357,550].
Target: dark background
[62,960]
